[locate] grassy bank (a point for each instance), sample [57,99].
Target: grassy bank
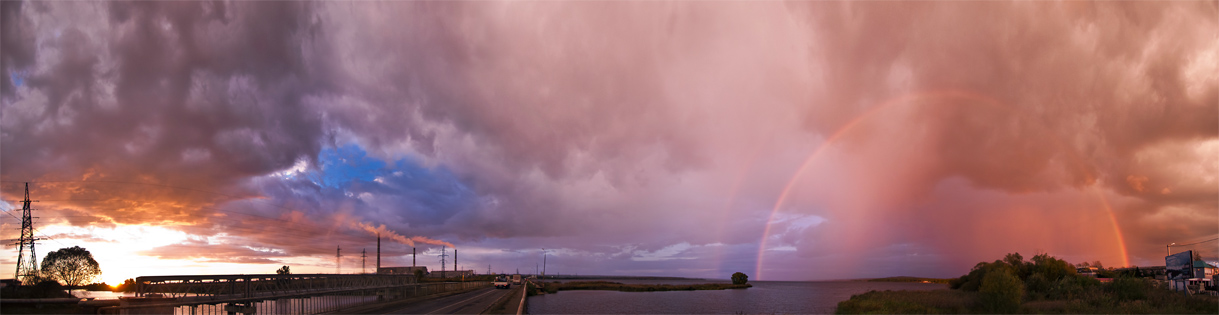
[962,302]
[1042,285]
[552,287]
[909,302]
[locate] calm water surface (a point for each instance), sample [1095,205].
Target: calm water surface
[100,295]
[765,297]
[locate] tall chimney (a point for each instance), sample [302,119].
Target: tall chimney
[378,253]
[454,259]
[412,256]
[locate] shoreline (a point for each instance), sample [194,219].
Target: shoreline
[555,287]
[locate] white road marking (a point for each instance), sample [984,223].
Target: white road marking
[461,302]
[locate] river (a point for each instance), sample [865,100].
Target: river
[765,297]
[100,295]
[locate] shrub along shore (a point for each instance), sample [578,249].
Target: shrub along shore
[1043,285]
[909,279]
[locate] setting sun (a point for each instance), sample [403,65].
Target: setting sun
[281,144]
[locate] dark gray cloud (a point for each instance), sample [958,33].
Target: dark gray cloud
[624,135]
[17,46]
[165,90]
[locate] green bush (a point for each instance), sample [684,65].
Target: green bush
[1001,292]
[956,283]
[908,302]
[1072,287]
[1048,284]
[1049,268]
[1036,286]
[973,280]
[739,278]
[531,290]
[1127,288]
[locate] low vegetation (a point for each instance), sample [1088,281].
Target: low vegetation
[127,286]
[43,288]
[909,279]
[910,302]
[1043,285]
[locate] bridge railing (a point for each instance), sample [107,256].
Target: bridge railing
[250,286]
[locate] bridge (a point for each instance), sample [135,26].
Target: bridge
[273,293]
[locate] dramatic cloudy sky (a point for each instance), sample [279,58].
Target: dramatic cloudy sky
[787,140]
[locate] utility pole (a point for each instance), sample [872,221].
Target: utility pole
[27,263]
[338,267]
[488,269]
[443,253]
[363,258]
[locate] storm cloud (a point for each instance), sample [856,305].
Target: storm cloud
[695,138]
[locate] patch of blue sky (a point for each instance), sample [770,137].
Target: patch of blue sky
[428,195]
[340,166]
[433,188]
[17,77]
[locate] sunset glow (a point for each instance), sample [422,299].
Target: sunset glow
[788,140]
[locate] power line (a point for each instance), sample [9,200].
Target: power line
[34,231]
[285,230]
[1195,243]
[122,182]
[283,207]
[27,263]
[301,231]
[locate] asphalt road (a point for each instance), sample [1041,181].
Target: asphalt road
[471,302]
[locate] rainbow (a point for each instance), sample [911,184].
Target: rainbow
[906,99]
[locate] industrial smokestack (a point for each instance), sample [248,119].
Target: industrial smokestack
[454,259]
[378,253]
[412,256]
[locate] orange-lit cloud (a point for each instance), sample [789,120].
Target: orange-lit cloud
[946,132]
[1136,182]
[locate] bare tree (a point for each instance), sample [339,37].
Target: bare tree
[73,266]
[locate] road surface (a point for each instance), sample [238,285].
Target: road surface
[471,302]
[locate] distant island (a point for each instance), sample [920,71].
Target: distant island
[554,287]
[909,279]
[578,277]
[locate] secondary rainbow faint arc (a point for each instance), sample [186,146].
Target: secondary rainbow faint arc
[861,117]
